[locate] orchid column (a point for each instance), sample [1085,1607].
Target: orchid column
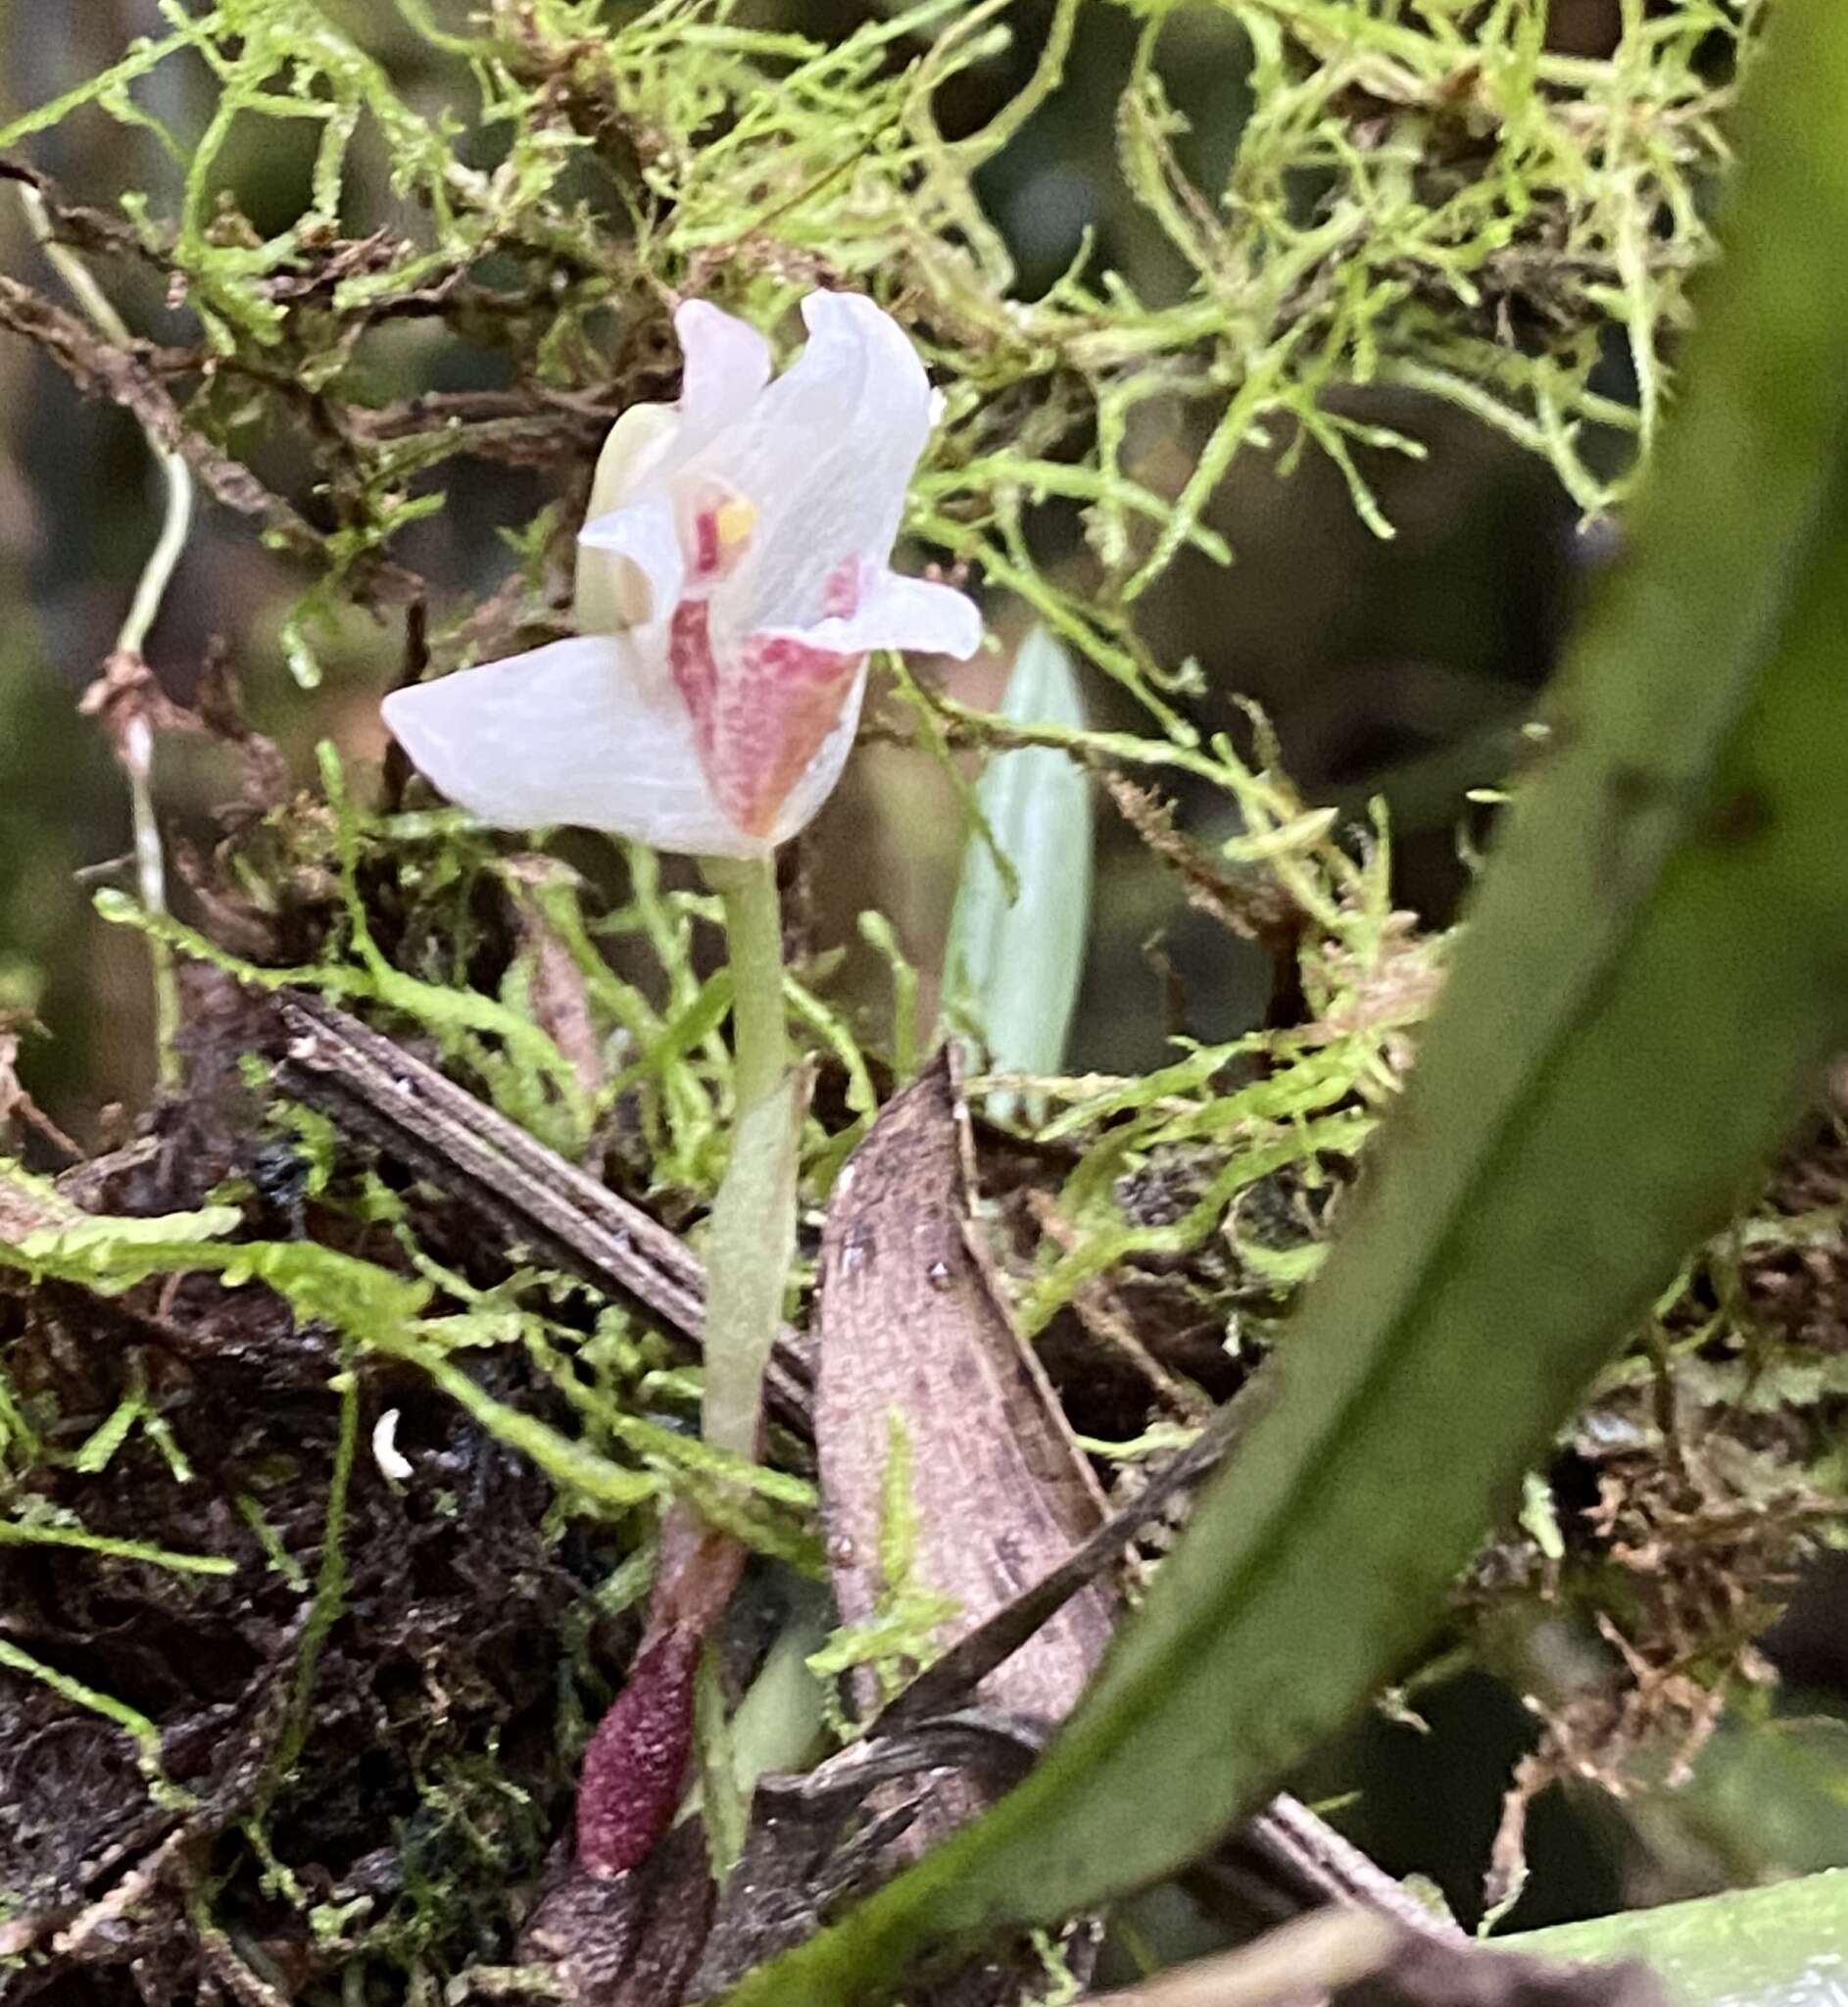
[733,575]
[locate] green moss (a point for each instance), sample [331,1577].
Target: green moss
[1437,202]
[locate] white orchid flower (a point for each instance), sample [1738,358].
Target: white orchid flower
[733,575]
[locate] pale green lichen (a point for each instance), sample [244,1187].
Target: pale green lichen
[1435,201]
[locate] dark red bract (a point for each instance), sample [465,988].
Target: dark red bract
[636,1765]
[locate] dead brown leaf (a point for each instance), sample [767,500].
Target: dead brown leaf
[912,1326]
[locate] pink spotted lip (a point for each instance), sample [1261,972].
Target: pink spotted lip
[761,726]
[758,728]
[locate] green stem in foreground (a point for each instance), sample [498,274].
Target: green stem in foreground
[752,1235]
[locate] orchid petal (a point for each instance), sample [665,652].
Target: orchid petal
[727,366]
[901,612]
[581,731]
[630,567]
[640,444]
[825,455]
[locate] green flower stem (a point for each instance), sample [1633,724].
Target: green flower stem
[754,934]
[752,1235]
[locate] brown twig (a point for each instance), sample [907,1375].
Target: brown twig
[374,1088]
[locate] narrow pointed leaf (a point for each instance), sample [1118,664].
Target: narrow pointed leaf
[1016,953]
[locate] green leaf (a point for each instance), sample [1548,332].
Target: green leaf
[1752,1947]
[1015,955]
[1651,985]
